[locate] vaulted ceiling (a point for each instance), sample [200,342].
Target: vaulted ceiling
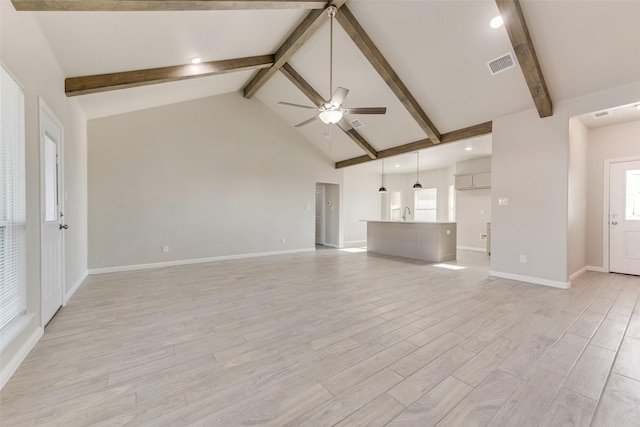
[425,60]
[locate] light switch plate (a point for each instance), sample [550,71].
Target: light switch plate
[503,201]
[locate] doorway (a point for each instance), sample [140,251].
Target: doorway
[328,214]
[52,202]
[320,222]
[624,217]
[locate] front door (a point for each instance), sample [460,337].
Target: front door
[624,217]
[52,243]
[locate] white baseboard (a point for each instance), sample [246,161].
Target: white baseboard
[529,279]
[578,273]
[193,261]
[598,269]
[355,242]
[9,368]
[471,248]
[75,287]
[331,245]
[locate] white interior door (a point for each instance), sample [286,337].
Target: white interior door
[52,239]
[320,223]
[624,217]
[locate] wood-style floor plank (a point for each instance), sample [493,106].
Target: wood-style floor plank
[620,403]
[590,373]
[333,338]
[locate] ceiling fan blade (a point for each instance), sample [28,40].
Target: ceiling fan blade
[298,105]
[344,125]
[365,110]
[338,97]
[306,122]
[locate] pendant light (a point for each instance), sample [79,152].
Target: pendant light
[417,185]
[382,187]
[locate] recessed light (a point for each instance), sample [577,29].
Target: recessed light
[196,60]
[496,22]
[468,148]
[397,166]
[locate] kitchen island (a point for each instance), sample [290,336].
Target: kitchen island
[426,241]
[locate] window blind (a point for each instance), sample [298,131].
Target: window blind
[12,201]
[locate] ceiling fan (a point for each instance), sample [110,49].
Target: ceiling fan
[331,112]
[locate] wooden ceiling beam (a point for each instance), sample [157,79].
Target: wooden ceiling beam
[518,32]
[382,66]
[315,97]
[106,82]
[303,32]
[456,135]
[161,5]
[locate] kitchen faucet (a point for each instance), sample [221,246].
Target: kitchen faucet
[404,213]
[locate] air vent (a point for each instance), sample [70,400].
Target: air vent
[356,124]
[601,114]
[501,64]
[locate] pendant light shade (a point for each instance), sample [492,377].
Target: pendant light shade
[417,185]
[382,188]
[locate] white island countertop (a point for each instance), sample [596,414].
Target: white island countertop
[406,222]
[426,241]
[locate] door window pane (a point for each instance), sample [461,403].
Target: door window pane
[633,195]
[50,180]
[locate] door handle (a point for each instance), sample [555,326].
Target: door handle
[614,223]
[63,226]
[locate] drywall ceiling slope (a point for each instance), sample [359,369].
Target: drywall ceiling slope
[440,50]
[87,43]
[585,46]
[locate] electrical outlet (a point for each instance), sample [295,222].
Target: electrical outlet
[523,259]
[165,248]
[483,236]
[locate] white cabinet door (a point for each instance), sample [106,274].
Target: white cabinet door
[464,182]
[482,180]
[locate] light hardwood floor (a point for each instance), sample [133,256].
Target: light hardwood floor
[334,338]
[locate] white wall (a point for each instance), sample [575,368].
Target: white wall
[213,177]
[530,164]
[610,142]
[361,201]
[26,54]
[577,204]
[473,207]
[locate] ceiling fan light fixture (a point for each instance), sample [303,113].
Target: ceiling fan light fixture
[496,22]
[331,117]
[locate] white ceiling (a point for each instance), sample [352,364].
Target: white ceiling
[438,48]
[622,114]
